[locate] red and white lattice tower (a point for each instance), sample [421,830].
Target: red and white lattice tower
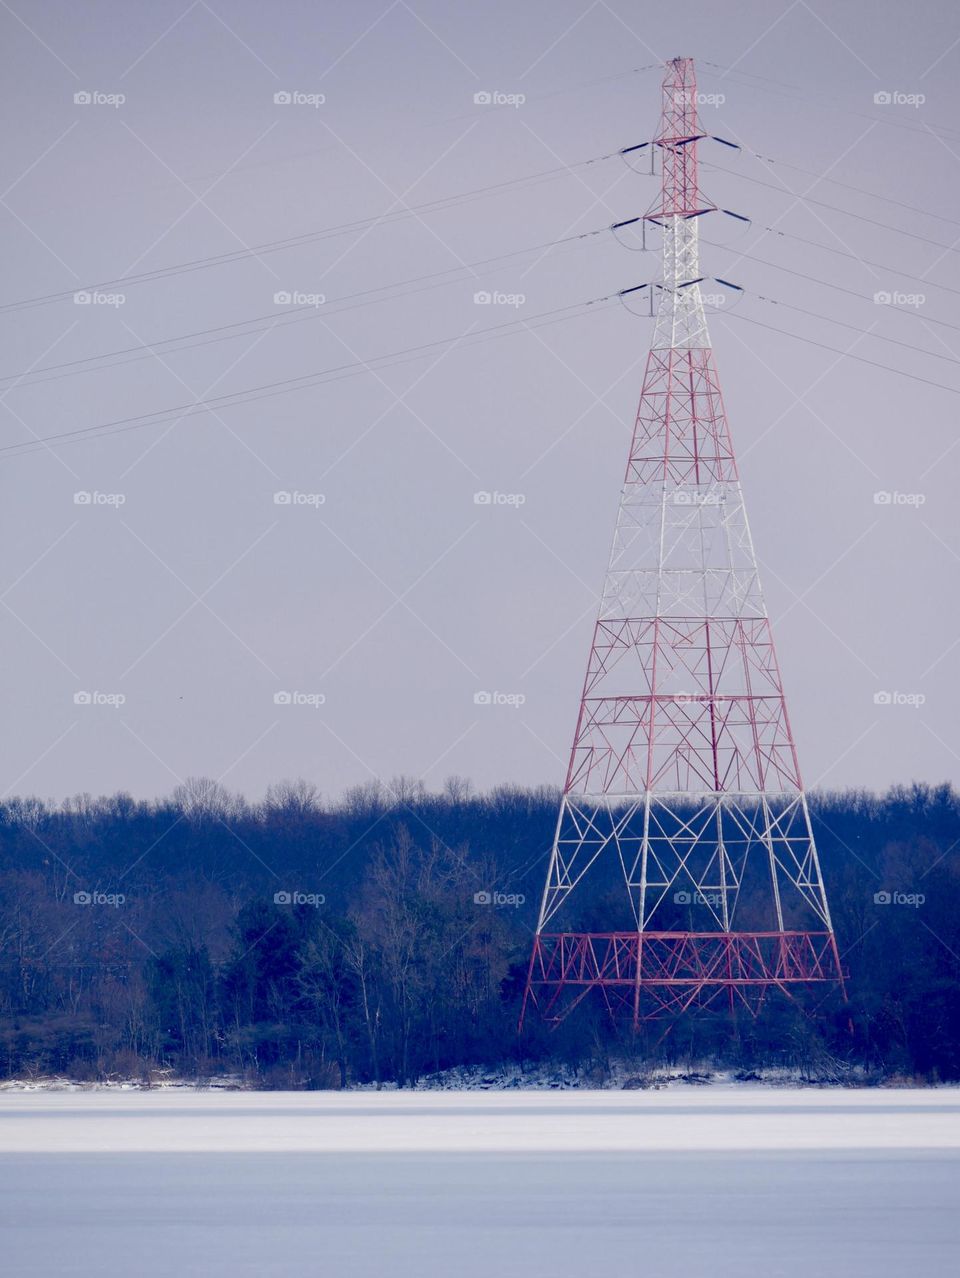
[683,774]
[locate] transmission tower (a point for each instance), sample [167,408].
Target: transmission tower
[683,800]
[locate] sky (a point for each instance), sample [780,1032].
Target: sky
[305,584]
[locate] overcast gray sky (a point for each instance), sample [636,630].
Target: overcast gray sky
[397,597]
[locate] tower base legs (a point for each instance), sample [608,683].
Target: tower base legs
[651,975]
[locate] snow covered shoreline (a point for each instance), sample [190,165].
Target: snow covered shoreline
[621,1078]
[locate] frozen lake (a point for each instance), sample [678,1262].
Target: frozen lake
[681,1183]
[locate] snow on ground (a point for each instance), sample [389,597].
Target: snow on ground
[682,1183]
[550,1077]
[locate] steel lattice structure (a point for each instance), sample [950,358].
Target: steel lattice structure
[683,769]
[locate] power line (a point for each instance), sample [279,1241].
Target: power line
[850,186]
[890,119]
[835,208]
[805,199]
[821,177]
[441,203]
[880,337]
[336,373]
[309,237]
[394,358]
[830,319]
[860,359]
[838,288]
[486,112]
[298,314]
[277,319]
[855,257]
[438,205]
[283,318]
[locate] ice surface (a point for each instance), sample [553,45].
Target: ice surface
[683,1182]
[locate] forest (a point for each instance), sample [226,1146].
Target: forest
[383,937]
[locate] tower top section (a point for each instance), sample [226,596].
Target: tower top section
[681,322]
[677,139]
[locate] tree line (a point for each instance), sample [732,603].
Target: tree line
[385,936]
